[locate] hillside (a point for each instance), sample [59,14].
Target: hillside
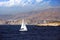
[52,14]
[35,17]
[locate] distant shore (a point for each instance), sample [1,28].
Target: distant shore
[53,24]
[35,24]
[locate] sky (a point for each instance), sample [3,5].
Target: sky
[18,6]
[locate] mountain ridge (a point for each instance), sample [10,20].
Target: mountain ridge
[39,13]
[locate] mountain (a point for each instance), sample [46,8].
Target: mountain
[52,14]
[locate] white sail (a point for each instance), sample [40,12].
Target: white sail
[23,27]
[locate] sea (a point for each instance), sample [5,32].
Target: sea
[11,32]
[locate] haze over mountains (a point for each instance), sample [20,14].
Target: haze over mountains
[51,13]
[33,17]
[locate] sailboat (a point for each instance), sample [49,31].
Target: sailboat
[23,27]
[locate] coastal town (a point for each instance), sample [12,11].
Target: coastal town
[30,22]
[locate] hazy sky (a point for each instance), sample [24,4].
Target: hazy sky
[18,6]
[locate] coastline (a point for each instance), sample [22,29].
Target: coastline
[48,24]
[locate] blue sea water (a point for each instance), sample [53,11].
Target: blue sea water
[11,32]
